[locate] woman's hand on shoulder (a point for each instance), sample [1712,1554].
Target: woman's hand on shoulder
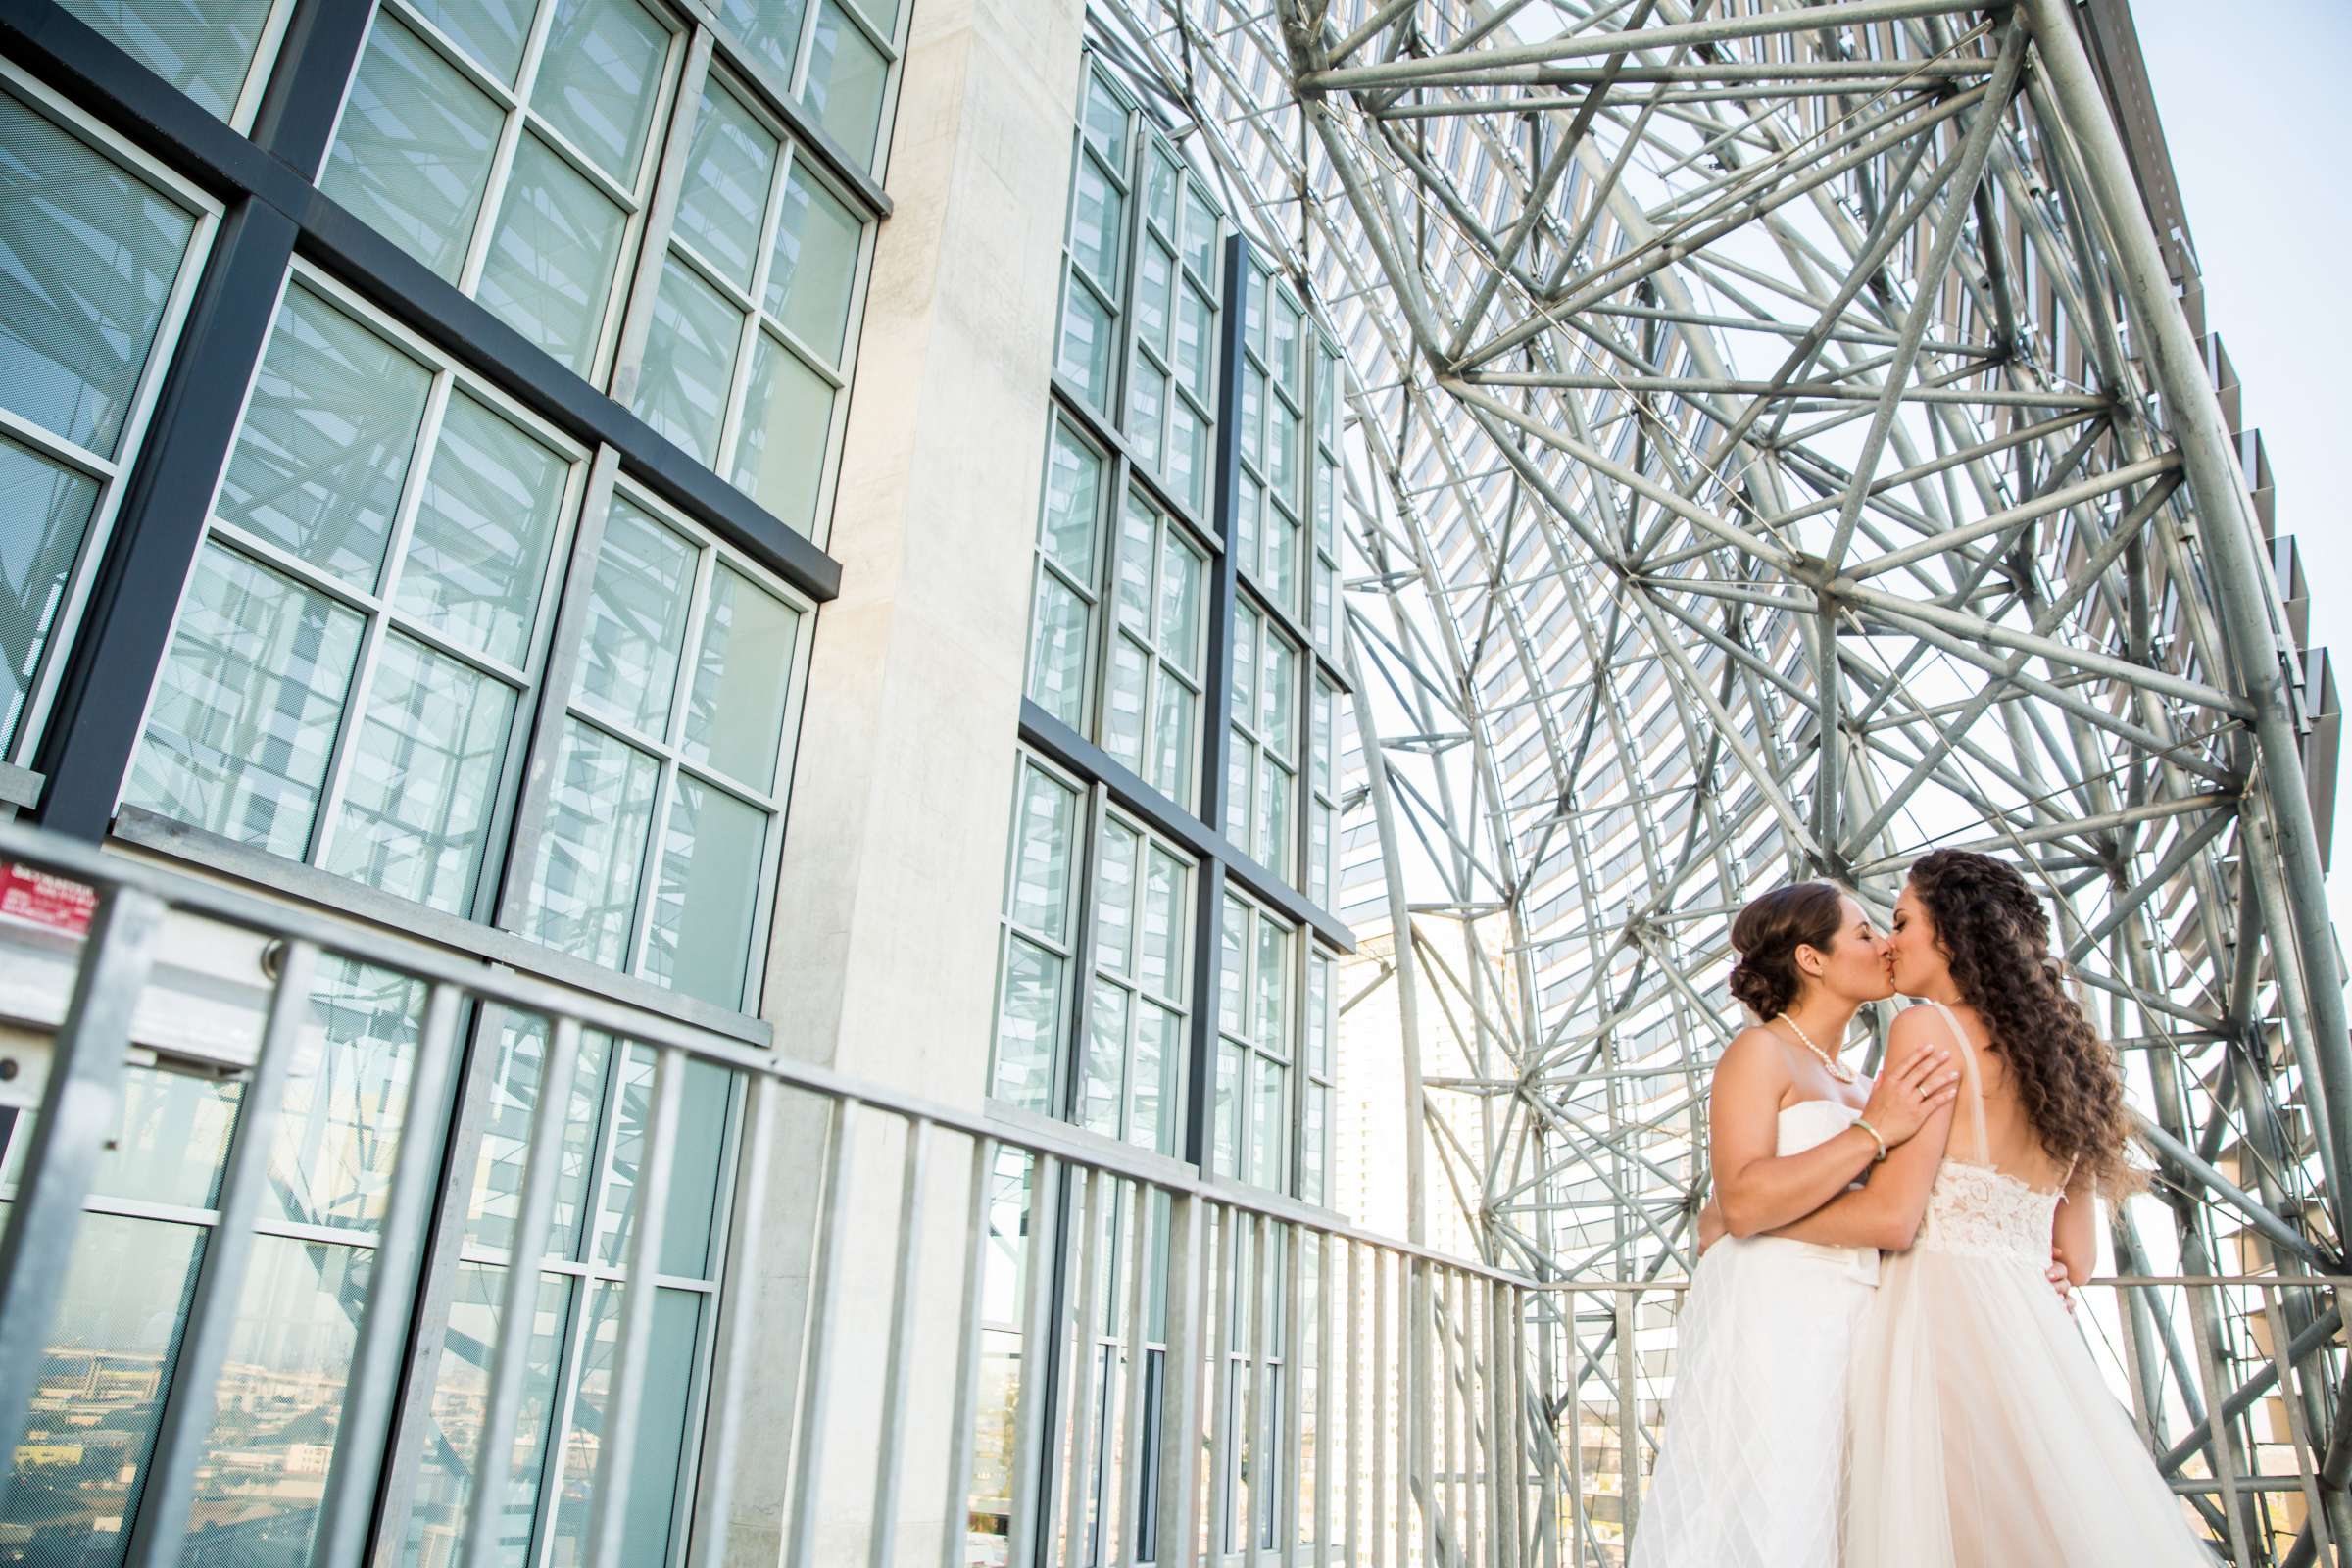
[1919,1079]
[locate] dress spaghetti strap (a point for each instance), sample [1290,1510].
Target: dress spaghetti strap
[1976,1088]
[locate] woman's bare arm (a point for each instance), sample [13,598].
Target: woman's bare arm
[2075,1234]
[1758,1188]
[1887,1210]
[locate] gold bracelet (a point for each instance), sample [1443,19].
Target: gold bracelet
[1874,1138]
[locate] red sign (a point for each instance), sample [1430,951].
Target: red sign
[38,897]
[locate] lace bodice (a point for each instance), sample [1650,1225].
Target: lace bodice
[1983,1212]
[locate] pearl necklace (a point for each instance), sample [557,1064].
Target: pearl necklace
[1837,1069]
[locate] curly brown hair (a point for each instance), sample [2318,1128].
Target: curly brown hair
[1996,936]
[1766,935]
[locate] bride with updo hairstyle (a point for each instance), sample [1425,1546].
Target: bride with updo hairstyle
[1749,1470]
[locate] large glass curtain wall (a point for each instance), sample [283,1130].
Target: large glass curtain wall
[439,658]
[1159,526]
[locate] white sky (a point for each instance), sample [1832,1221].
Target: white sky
[2255,97]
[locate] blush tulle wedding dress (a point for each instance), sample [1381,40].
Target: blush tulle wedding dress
[1983,1434]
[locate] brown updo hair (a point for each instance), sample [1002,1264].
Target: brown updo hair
[1996,936]
[1767,934]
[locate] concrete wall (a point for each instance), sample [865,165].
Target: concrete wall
[883,961]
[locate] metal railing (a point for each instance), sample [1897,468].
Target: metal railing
[947,1337]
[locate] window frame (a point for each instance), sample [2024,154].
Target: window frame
[662,242]
[518,117]
[552,713]
[21,786]
[528,680]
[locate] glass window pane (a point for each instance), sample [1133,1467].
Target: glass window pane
[1268,1165]
[787,417]
[1180,573]
[815,271]
[1158,1047]
[1085,342]
[280,1397]
[742,679]
[1225,1122]
[728,172]
[168,1138]
[1155,273]
[1138,527]
[1232,945]
[689,361]
[1073,498]
[346,1100]
[549,273]
[1028,1016]
[247,706]
[1175,709]
[1115,898]
[1273,985]
[660,1430]
[1098,225]
[451,1440]
[424,769]
[203,47]
[1147,407]
[590,855]
[703,912]
[328,435]
[491,31]
[1159,964]
[477,558]
[636,619]
[1105,119]
[109,1357]
[87,259]
[1106,1060]
[771,31]
[44,518]
[1123,703]
[691,1206]
[599,79]
[1058,651]
[496,1196]
[846,75]
[1199,234]
[413,152]
[1196,348]
[1041,881]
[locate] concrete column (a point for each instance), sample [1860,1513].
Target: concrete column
[884,955]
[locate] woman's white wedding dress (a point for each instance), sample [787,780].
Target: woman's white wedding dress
[1747,1473]
[1983,1434]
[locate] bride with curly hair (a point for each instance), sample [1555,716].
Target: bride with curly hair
[1981,1434]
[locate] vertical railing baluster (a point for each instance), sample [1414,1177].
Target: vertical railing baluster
[1179,1510]
[824,1301]
[1629,1413]
[1086,1213]
[1220,1385]
[1444,1504]
[1293,1386]
[518,1300]
[367,1418]
[740,1322]
[904,1281]
[1375,1527]
[78,1106]
[1412,1406]
[616,1454]
[1327,1392]
[213,1306]
[963,1420]
[1032,1415]
[1350,1492]
[1123,1515]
